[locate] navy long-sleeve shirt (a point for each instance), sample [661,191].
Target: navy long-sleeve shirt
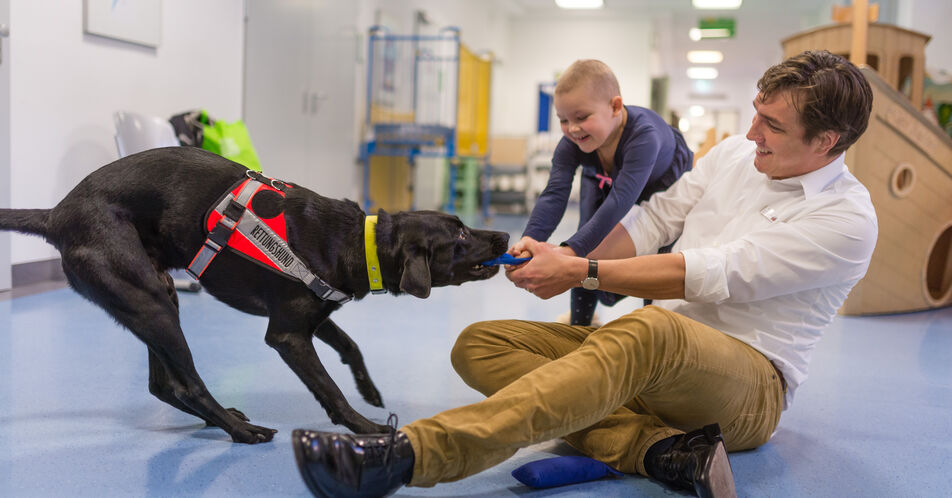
[650,156]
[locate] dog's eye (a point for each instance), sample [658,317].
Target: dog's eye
[462,234]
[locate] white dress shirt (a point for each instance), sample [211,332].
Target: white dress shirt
[768,262]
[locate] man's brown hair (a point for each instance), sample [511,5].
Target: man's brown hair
[828,92]
[595,73]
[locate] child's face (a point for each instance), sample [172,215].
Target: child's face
[586,120]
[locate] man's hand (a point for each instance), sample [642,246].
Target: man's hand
[549,273]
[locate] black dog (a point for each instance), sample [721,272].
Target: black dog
[126,224]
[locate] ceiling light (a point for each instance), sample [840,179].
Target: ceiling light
[696,111]
[702,73]
[580,4]
[716,4]
[684,124]
[705,56]
[697,34]
[702,86]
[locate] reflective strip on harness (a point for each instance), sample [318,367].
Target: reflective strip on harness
[236,217]
[278,251]
[232,208]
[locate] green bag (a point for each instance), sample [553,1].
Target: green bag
[229,140]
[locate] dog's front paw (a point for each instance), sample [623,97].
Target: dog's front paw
[233,411]
[252,434]
[236,412]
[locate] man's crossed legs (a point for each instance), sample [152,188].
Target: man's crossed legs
[613,393]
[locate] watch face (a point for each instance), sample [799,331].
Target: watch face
[590,283]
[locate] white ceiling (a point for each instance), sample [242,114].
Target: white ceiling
[671,5]
[760,25]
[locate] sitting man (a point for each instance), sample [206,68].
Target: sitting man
[772,233]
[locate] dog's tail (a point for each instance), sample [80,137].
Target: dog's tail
[30,221]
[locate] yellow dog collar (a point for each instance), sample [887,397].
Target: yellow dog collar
[370,248]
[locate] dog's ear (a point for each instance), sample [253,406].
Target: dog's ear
[416,276]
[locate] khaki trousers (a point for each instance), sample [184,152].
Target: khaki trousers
[610,392]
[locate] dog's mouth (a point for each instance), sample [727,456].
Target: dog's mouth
[482,272]
[475,269]
[479,271]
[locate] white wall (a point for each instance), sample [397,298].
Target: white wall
[5,277]
[539,49]
[65,85]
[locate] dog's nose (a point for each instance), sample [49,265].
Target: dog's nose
[501,241]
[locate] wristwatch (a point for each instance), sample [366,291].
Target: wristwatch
[591,282]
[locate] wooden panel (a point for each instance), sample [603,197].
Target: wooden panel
[886,42]
[908,226]
[508,151]
[911,223]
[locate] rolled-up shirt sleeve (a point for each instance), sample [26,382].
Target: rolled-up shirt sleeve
[832,246]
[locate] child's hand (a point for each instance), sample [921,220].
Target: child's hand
[520,249]
[548,273]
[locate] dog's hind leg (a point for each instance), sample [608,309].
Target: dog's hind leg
[163,388]
[335,337]
[119,277]
[292,340]
[160,384]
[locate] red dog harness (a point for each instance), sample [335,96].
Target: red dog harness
[233,223]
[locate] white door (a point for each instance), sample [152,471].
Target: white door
[4,138]
[276,98]
[332,81]
[300,63]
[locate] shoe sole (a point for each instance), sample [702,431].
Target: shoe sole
[718,481]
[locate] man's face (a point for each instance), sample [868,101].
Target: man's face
[587,121]
[781,150]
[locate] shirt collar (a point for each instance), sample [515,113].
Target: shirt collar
[816,181]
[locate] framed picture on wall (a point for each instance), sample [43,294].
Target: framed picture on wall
[133,21]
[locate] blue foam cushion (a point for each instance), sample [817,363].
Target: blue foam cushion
[559,471]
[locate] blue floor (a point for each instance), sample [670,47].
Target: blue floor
[76,418]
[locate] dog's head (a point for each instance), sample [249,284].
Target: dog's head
[425,249]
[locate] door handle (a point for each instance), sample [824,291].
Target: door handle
[4,32]
[316,99]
